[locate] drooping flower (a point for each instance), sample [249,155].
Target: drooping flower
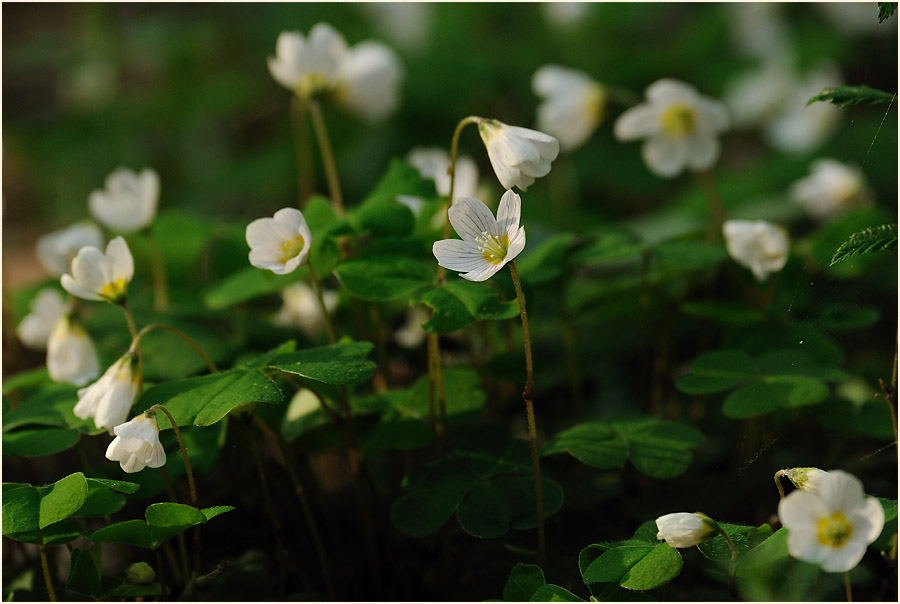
[136,445]
[574,104]
[833,527]
[309,65]
[109,399]
[57,249]
[518,155]
[758,245]
[684,529]
[487,243]
[301,308]
[71,356]
[808,479]
[368,81]
[433,163]
[831,188]
[129,201]
[281,243]
[101,276]
[46,309]
[681,127]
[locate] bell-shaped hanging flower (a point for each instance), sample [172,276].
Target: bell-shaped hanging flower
[301,308]
[309,65]
[136,445]
[684,529]
[46,309]
[101,276]
[129,200]
[279,244]
[574,104]
[807,479]
[71,355]
[832,527]
[109,399]
[368,81]
[56,250]
[518,155]
[831,188]
[758,245]
[487,243]
[681,127]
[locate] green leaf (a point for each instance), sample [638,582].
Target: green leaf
[657,448]
[206,399]
[610,245]
[431,494]
[121,486]
[247,284]
[101,501]
[339,364]
[24,380]
[21,508]
[890,524]
[465,399]
[384,218]
[39,441]
[492,507]
[62,499]
[744,538]
[458,302]
[554,593]
[399,427]
[382,278]
[32,415]
[163,521]
[132,532]
[875,239]
[85,571]
[690,255]
[64,531]
[885,10]
[724,313]
[181,239]
[214,511]
[845,96]
[764,555]
[635,565]
[545,262]
[400,179]
[523,582]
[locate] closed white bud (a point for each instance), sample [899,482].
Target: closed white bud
[685,529]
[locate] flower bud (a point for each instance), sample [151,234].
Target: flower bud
[140,573]
[683,529]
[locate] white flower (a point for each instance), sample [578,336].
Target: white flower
[56,250]
[487,243]
[408,24]
[301,308]
[128,203]
[758,245]
[758,97]
[281,243]
[798,127]
[808,479]
[433,163]
[109,399]
[681,127]
[831,188]
[46,309]
[518,155]
[136,445]
[99,276]
[564,15]
[308,66]
[71,356]
[759,28]
[574,104]
[833,527]
[368,82]
[683,529]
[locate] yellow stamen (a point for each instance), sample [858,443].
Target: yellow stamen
[311,84]
[678,120]
[493,248]
[291,247]
[114,291]
[834,530]
[595,104]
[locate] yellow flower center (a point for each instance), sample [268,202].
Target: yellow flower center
[114,291]
[678,120]
[834,530]
[291,247]
[493,248]
[311,84]
[595,104]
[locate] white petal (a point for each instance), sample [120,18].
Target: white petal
[484,273]
[665,156]
[370,80]
[841,492]
[558,81]
[667,90]
[802,510]
[122,264]
[703,151]
[872,511]
[516,244]
[509,214]
[470,218]
[712,115]
[74,288]
[842,559]
[640,121]
[457,255]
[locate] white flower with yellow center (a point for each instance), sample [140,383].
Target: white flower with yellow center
[46,309]
[279,244]
[681,127]
[136,445]
[831,188]
[309,65]
[685,529]
[129,201]
[302,310]
[368,81]
[518,155]
[101,276]
[574,104]
[487,243]
[109,399]
[71,356]
[57,249]
[833,527]
[758,245]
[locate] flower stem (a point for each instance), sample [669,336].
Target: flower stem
[182,548]
[135,343]
[187,340]
[716,212]
[331,175]
[778,486]
[161,575]
[847,588]
[734,557]
[528,395]
[451,171]
[306,176]
[158,271]
[434,352]
[45,566]
[314,278]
